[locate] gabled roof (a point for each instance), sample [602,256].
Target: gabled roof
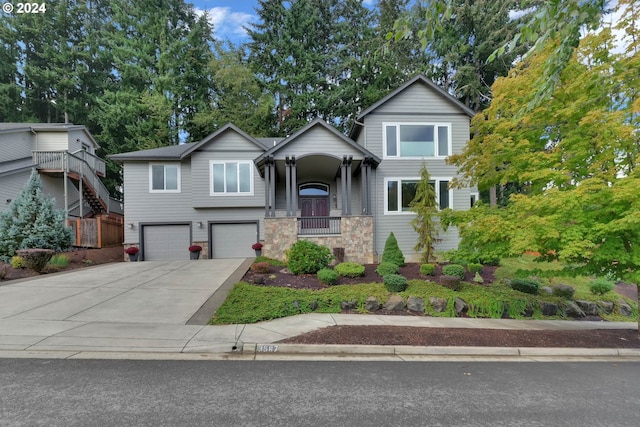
[316,122]
[179,152]
[45,127]
[420,78]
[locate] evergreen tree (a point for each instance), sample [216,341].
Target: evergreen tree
[32,222]
[425,206]
[392,252]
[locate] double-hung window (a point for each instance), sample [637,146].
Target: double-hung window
[417,140]
[400,192]
[164,178]
[231,178]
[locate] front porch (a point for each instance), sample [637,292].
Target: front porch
[354,237]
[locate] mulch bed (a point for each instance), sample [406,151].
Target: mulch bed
[462,337]
[78,258]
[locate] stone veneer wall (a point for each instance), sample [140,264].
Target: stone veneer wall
[128,245]
[356,238]
[204,253]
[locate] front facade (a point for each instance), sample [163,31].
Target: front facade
[231,190]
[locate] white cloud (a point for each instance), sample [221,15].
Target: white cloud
[228,24]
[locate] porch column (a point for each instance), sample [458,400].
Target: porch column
[287,186]
[294,187]
[267,185]
[343,182]
[348,171]
[272,187]
[365,177]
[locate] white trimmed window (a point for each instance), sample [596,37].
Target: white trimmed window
[416,140]
[400,192]
[164,178]
[231,178]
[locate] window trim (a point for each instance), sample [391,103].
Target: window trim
[436,179]
[226,193]
[435,143]
[165,164]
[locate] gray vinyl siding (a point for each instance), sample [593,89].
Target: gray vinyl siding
[52,141]
[54,188]
[10,186]
[14,146]
[81,135]
[318,140]
[419,99]
[229,146]
[141,206]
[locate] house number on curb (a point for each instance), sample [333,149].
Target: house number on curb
[267,348]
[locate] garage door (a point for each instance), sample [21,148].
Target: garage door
[233,240]
[166,242]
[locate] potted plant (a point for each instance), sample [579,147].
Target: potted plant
[258,248]
[132,251]
[194,251]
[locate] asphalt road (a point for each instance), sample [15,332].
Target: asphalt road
[179,393]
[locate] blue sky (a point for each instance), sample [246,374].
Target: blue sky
[229,16]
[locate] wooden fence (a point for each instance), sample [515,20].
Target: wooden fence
[97,232]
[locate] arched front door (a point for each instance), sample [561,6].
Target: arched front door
[314,205]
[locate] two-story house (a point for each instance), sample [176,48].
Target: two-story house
[65,157]
[231,190]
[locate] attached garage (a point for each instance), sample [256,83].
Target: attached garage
[166,241]
[233,240]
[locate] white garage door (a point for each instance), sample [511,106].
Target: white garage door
[166,242]
[233,240]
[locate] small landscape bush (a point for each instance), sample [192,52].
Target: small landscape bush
[36,259]
[394,282]
[474,267]
[260,267]
[307,257]
[451,282]
[529,286]
[392,252]
[17,262]
[563,291]
[349,269]
[271,261]
[328,276]
[59,261]
[601,286]
[385,268]
[453,270]
[428,269]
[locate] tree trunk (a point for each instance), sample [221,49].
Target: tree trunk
[493,199]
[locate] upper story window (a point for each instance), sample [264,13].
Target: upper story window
[164,178]
[231,178]
[417,140]
[400,192]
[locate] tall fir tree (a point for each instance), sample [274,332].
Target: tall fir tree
[425,206]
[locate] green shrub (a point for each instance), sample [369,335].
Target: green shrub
[529,286]
[392,252]
[59,261]
[451,282]
[271,261]
[563,291]
[494,262]
[349,269]
[453,270]
[385,268]
[428,269]
[36,259]
[307,257]
[17,262]
[601,286]
[328,276]
[261,267]
[474,267]
[394,282]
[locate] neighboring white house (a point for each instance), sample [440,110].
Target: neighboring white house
[231,190]
[65,157]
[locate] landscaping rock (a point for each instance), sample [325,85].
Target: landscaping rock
[624,308]
[606,306]
[415,304]
[314,305]
[372,304]
[528,311]
[571,309]
[564,291]
[461,306]
[349,305]
[394,303]
[439,304]
[549,309]
[546,290]
[589,308]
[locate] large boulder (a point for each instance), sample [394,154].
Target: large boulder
[438,304]
[394,303]
[349,305]
[624,308]
[606,306]
[415,304]
[461,306]
[589,308]
[571,309]
[549,309]
[372,304]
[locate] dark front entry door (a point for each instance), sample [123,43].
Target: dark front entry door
[312,207]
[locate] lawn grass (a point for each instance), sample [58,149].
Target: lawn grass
[248,303]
